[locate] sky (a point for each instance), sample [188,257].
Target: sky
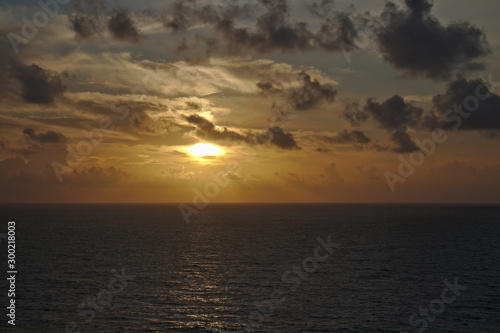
[203,101]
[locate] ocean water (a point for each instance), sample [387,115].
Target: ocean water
[393,268]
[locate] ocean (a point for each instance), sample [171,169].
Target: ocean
[254,268]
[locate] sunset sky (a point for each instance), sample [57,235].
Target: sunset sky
[256,101]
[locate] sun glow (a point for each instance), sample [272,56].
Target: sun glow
[205,149]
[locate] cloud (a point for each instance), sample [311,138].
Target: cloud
[87,19]
[459,45]
[337,29]
[142,123]
[347,136]
[122,27]
[282,140]
[451,107]
[404,142]
[267,88]
[85,26]
[274,30]
[184,14]
[207,130]
[311,93]
[417,43]
[92,17]
[353,114]
[393,113]
[47,137]
[274,136]
[38,85]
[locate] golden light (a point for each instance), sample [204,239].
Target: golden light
[205,149]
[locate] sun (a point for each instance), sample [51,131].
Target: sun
[201,150]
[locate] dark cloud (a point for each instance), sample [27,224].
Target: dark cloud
[274,136]
[273,31]
[269,88]
[87,20]
[465,105]
[93,17]
[141,123]
[187,13]
[403,141]
[274,28]
[38,85]
[338,30]
[207,130]
[310,93]
[47,137]
[122,27]
[417,43]
[410,30]
[347,136]
[85,26]
[354,115]
[281,139]
[394,113]
[378,147]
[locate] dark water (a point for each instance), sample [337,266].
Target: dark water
[224,271]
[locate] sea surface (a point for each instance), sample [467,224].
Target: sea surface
[252,267]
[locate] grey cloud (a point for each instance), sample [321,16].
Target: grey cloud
[122,27]
[141,123]
[37,84]
[207,130]
[310,93]
[347,136]
[87,19]
[274,136]
[274,30]
[417,43]
[47,137]
[283,140]
[270,87]
[404,142]
[451,107]
[394,113]
[353,114]
[85,26]
[92,17]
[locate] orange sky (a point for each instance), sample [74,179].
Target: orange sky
[105,104]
